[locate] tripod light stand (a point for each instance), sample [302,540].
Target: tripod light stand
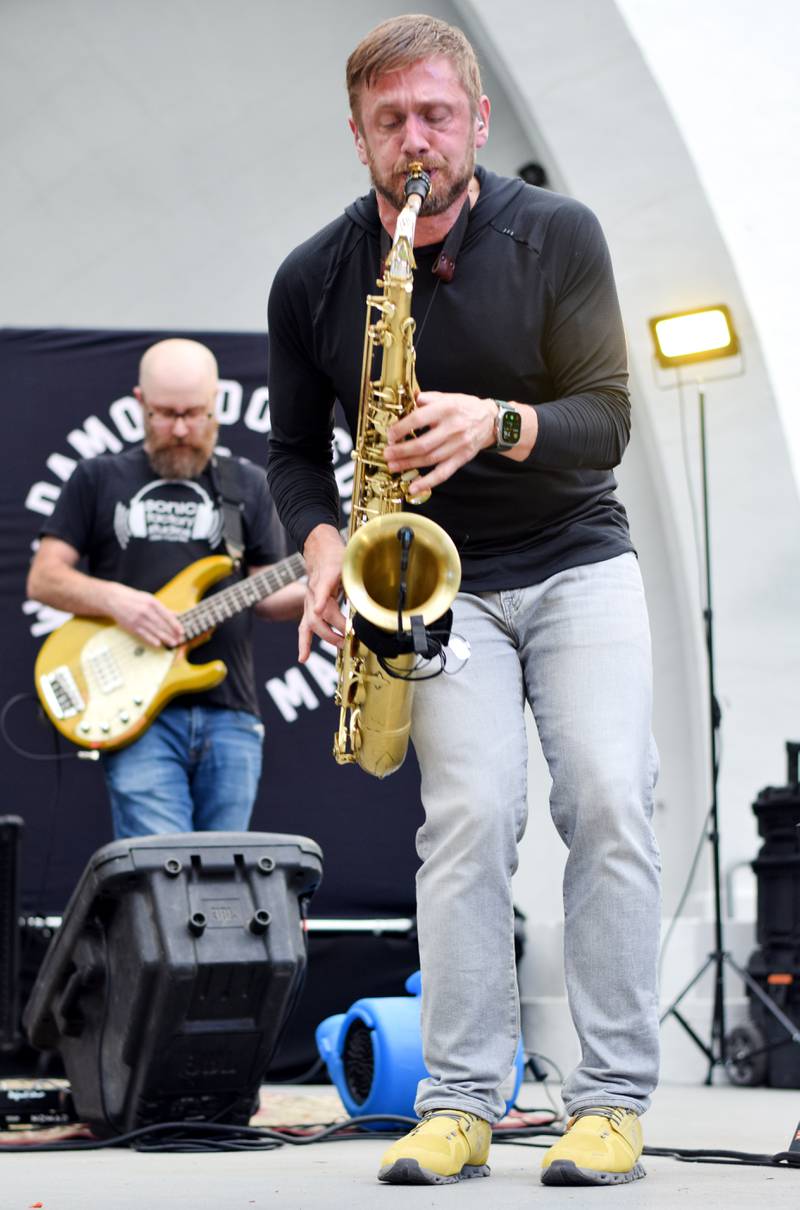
[681,339]
[685,339]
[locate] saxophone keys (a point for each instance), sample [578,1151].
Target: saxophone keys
[407,478]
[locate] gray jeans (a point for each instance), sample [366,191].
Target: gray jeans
[577,648]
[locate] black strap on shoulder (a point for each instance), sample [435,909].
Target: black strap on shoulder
[227,486]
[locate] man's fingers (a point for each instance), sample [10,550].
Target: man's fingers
[304,637]
[319,627]
[167,624]
[323,618]
[417,419]
[168,635]
[413,454]
[329,621]
[152,635]
[155,636]
[438,475]
[426,398]
[144,616]
[160,626]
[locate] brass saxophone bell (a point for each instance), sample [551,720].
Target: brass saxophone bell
[371,571]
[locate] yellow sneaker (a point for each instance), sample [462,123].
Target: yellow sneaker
[601,1146]
[448,1145]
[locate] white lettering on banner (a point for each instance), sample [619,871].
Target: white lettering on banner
[342,442]
[94,438]
[343,473]
[344,482]
[323,672]
[47,618]
[42,498]
[229,401]
[61,465]
[257,416]
[291,692]
[127,416]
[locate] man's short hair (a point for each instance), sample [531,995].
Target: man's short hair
[401,41]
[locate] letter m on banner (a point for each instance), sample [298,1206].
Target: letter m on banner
[291,691]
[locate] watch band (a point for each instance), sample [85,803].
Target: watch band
[507,426]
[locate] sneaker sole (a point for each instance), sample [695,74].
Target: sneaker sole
[408,1172]
[565,1172]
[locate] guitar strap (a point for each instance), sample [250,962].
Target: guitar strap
[225,480]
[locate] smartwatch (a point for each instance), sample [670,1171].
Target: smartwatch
[507,426]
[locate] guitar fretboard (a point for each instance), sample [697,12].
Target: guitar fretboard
[220,606]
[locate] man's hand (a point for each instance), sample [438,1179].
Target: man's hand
[54,580]
[458,426]
[322,616]
[142,614]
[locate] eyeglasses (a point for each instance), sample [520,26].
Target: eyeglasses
[166,417]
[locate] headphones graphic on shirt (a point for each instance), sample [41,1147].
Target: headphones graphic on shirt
[131,521]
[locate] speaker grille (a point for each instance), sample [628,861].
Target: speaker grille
[358,1060]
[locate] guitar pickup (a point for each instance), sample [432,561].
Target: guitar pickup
[61,692]
[104,668]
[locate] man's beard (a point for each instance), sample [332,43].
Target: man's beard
[443,191]
[179,461]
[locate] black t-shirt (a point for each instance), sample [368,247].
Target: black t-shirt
[531,315]
[140,530]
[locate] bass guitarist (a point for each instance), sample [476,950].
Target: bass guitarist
[139,518]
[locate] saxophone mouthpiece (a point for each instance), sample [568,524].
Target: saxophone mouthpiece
[417,182]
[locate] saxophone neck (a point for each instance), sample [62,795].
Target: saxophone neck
[400,261]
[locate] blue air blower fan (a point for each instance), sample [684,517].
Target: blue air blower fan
[373,1054]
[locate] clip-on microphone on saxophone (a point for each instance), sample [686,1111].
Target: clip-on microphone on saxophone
[419,634]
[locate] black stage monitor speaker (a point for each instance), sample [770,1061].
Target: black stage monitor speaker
[177,964]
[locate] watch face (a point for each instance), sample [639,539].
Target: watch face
[510,427]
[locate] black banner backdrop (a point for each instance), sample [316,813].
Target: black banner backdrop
[67,396]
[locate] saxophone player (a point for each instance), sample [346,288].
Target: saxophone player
[522,416]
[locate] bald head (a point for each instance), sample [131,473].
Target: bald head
[178,382]
[178,365]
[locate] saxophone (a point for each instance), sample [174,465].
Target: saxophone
[397,567]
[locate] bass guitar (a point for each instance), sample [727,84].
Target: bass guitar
[101,687]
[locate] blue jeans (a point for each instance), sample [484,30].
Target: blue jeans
[577,648]
[195,769]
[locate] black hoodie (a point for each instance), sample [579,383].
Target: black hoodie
[531,315]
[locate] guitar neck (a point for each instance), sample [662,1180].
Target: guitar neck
[220,606]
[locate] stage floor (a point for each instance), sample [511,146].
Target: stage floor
[327,1176]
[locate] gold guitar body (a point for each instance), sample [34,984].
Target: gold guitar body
[102,687]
